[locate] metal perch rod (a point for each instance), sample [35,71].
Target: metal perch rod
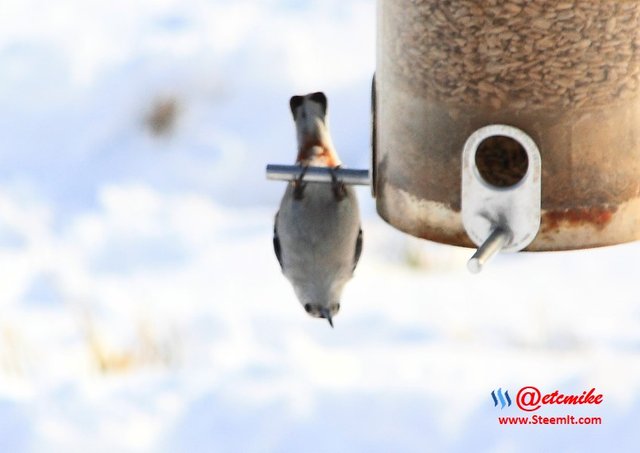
[491,246]
[318,174]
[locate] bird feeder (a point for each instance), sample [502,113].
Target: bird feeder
[475,100]
[505,124]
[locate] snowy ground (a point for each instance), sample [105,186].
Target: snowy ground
[141,306]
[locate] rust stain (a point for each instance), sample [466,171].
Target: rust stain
[599,217]
[457,239]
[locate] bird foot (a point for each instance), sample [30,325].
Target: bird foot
[299,185]
[338,187]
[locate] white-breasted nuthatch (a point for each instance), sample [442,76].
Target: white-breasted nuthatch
[317,236]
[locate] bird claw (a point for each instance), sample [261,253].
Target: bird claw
[299,185]
[338,187]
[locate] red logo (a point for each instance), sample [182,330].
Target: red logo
[530,399]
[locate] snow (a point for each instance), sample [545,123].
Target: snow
[141,305]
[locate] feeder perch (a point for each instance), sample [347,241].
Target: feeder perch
[318,174]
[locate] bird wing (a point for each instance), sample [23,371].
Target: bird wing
[358,251]
[276,241]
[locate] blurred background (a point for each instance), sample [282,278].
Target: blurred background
[141,306]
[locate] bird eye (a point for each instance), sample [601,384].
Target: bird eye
[337,308]
[307,308]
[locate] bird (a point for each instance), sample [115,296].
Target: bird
[317,235]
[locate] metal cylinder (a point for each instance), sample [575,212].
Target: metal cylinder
[566,73]
[347,176]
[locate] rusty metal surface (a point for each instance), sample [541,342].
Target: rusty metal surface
[566,229]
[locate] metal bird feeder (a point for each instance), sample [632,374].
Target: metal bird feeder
[507,124]
[566,74]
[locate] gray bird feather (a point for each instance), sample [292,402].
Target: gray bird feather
[317,236]
[318,243]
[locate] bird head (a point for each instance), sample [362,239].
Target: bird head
[323,311]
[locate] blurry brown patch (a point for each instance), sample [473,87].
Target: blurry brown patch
[163,116]
[148,348]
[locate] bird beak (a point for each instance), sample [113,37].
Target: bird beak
[327,314]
